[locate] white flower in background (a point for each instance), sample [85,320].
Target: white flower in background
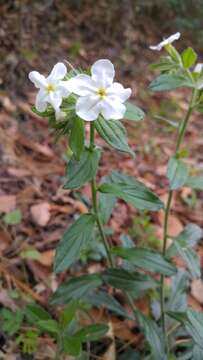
[98,94]
[51,89]
[198,68]
[165,42]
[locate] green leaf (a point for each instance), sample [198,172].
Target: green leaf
[30,254]
[35,313]
[133,112]
[193,323]
[128,281]
[106,203]
[72,345]
[92,332]
[146,259]
[182,245]
[76,288]
[101,298]
[167,82]
[14,217]
[68,314]
[11,321]
[74,240]
[129,354]
[177,173]
[195,182]
[197,353]
[153,336]
[178,295]
[114,133]
[81,171]
[131,191]
[189,57]
[77,137]
[49,325]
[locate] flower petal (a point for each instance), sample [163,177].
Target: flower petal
[167,41]
[198,68]
[38,80]
[41,101]
[88,107]
[63,88]
[58,72]
[112,109]
[55,100]
[82,85]
[117,90]
[103,73]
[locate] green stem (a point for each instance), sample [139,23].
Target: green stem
[181,133]
[95,206]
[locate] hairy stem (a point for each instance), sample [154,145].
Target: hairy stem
[95,206]
[181,133]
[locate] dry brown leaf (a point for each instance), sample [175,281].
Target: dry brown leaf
[46,258]
[197,290]
[41,213]
[7,203]
[110,354]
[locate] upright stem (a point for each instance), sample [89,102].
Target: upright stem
[95,206]
[181,133]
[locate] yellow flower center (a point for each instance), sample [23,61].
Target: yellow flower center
[101,92]
[50,88]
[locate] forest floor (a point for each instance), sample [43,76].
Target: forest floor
[35,37]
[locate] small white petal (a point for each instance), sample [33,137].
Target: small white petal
[88,107]
[103,73]
[112,109]
[41,101]
[63,88]
[58,72]
[198,68]
[117,90]
[55,100]
[38,80]
[165,42]
[81,85]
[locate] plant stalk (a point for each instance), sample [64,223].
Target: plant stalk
[95,205]
[181,133]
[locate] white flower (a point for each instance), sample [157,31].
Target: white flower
[198,68]
[165,42]
[98,94]
[51,89]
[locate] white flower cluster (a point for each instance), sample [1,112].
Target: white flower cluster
[97,94]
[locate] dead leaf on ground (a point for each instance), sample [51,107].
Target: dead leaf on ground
[46,258]
[41,213]
[197,290]
[7,203]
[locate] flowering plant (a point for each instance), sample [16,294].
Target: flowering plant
[100,103]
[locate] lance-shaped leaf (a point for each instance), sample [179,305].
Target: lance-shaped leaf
[166,82]
[101,298]
[73,241]
[195,182]
[189,57]
[132,191]
[153,336]
[146,259]
[76,288]
[183,245]
[114,133]
[92,332]
[81,171]
[177,173]
[128,281]
[133,112]
[106,202]
[193,322]
[77,137]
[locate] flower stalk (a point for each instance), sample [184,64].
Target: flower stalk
[94,203]
[181,133]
